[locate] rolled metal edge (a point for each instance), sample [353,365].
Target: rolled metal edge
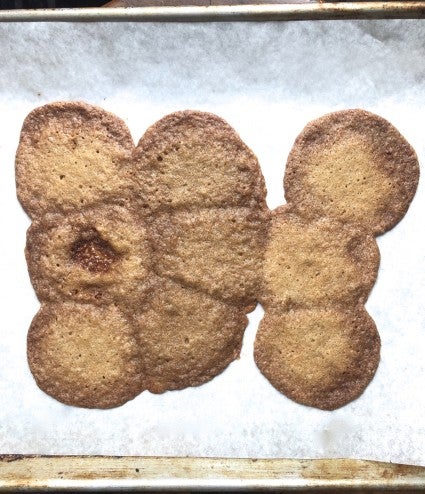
[83,473]
[219,13]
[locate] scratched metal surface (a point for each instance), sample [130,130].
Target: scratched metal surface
[263,12]
[205,474]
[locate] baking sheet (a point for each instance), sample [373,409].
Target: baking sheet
[267,80]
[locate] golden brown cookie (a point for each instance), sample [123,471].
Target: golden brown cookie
[195,159]
[354,166]
[104,218]
[84,355]
[99,256]
[71,155]
[350,175]
[218,250]
[323,358]
[316,263]
[187,337]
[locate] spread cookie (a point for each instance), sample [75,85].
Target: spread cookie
[100,255]
[205,195]
[195,159]
[354,166]
[310,263]
[187,337]
[217,250]
[126,234]
[318,357]
[84,355]
[71,155]
[350,176]
[146,259]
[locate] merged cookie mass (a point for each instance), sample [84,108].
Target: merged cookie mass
[119,251]
[147,258]
[349,177]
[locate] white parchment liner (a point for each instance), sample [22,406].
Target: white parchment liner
[267,80]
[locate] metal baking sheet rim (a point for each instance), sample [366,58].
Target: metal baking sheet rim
[85,473]
[263,12]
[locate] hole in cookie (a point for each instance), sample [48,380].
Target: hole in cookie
[61,177]
[159,158]
[93,253]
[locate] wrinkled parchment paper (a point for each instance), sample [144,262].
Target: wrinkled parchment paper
[268,80]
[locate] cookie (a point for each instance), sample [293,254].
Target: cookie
[354,166]
[71,155]
[349,177]
[204,195]
[195,159]
[167,238]
[84,355]
[318,262]
[100,255]
[322,358]
[217,250]
[186,337]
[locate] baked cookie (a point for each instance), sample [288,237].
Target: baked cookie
[354,166]
[100,255]
[323,358]
[188,204]
[186,337]
[318,262]
[207,220]
[71,155]
[350,176]
[85,356]
[217,250]
[195,159]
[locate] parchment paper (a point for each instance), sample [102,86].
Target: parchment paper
[268,80]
